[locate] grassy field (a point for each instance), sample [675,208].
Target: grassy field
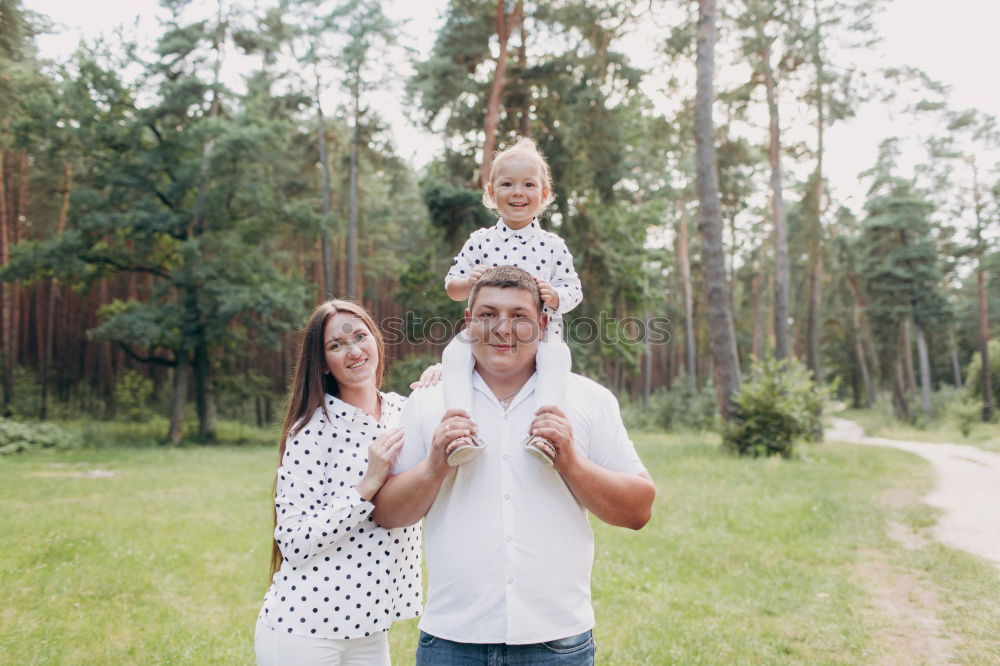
[158,556]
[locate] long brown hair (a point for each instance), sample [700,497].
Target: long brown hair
[310,383]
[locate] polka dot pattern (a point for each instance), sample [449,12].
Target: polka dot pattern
[343,575]
[532,249]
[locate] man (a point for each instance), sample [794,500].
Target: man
[509,547]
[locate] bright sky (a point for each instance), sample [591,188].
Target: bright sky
[954,42]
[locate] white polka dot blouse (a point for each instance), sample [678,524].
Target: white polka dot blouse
[541,253]
[343,576]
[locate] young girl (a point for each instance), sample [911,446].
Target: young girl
[519,189]
[338,579]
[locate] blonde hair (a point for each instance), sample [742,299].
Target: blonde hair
[524,148]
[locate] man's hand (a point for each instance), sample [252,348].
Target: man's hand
[554,426]
[549,295]
[455,424]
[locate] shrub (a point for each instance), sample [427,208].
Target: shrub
[777,406]
[402,373]
[964,413]
[18,437]
[974,373]
[132,393]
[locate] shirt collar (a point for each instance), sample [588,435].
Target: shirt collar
[479,384]
[521,234]
[340,409]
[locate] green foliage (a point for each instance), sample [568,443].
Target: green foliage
[778,405]
[681,408]
[402,373]
[132,393]
[974,373]
[19,437]
[965,414]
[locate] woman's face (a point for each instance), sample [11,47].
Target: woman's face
[350,351]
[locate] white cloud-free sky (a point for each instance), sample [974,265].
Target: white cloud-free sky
[955,42]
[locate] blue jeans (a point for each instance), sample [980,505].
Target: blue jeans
[576,650]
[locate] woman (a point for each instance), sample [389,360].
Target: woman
[338,579]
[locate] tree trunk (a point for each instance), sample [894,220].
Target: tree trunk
[899,404]
[326,232]
[491,117]
[50,313]
[815,323]
[925,370]
[953,352]
[911,375]
[984,347]
[178,401]
[352,220]
[778,205]
[7,299]
[860,353]
[204,395]
[684,263]
[722,337]
[524,122]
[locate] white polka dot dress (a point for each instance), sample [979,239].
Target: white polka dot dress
[343,576]
[541,253]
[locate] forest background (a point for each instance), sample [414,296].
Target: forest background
[172,209]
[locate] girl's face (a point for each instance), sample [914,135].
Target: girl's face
[518,188]
[350,351]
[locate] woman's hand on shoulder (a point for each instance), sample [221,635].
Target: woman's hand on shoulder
[429,377]
[382,454]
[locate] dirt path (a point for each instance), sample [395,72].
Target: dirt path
[968,488]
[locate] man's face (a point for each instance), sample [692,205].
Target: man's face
[505,327]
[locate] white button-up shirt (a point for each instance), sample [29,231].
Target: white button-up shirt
[541,253]
[343,575]
[509,550]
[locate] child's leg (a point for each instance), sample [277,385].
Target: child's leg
[553,362]
[456,373]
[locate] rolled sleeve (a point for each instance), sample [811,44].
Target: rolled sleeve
[465,261]
[564,280]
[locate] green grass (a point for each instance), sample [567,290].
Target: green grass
[876,424]
[744,561]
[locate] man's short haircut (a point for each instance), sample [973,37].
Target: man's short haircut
[506,277]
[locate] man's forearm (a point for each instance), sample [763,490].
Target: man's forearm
[617,498]
[406,498]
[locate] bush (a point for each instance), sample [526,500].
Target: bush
[18,437]
[402,373]
[964,414]
[974,373]
[777,406]
[132,393]
[681,408]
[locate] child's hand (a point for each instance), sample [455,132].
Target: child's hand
[549,295]
[477,272]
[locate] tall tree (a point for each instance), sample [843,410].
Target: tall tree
[725,364]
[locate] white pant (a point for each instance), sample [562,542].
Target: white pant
[552,363]
[276,648]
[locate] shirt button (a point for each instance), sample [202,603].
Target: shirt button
[510,580]
[506,496]
[506,457]
[504,417]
